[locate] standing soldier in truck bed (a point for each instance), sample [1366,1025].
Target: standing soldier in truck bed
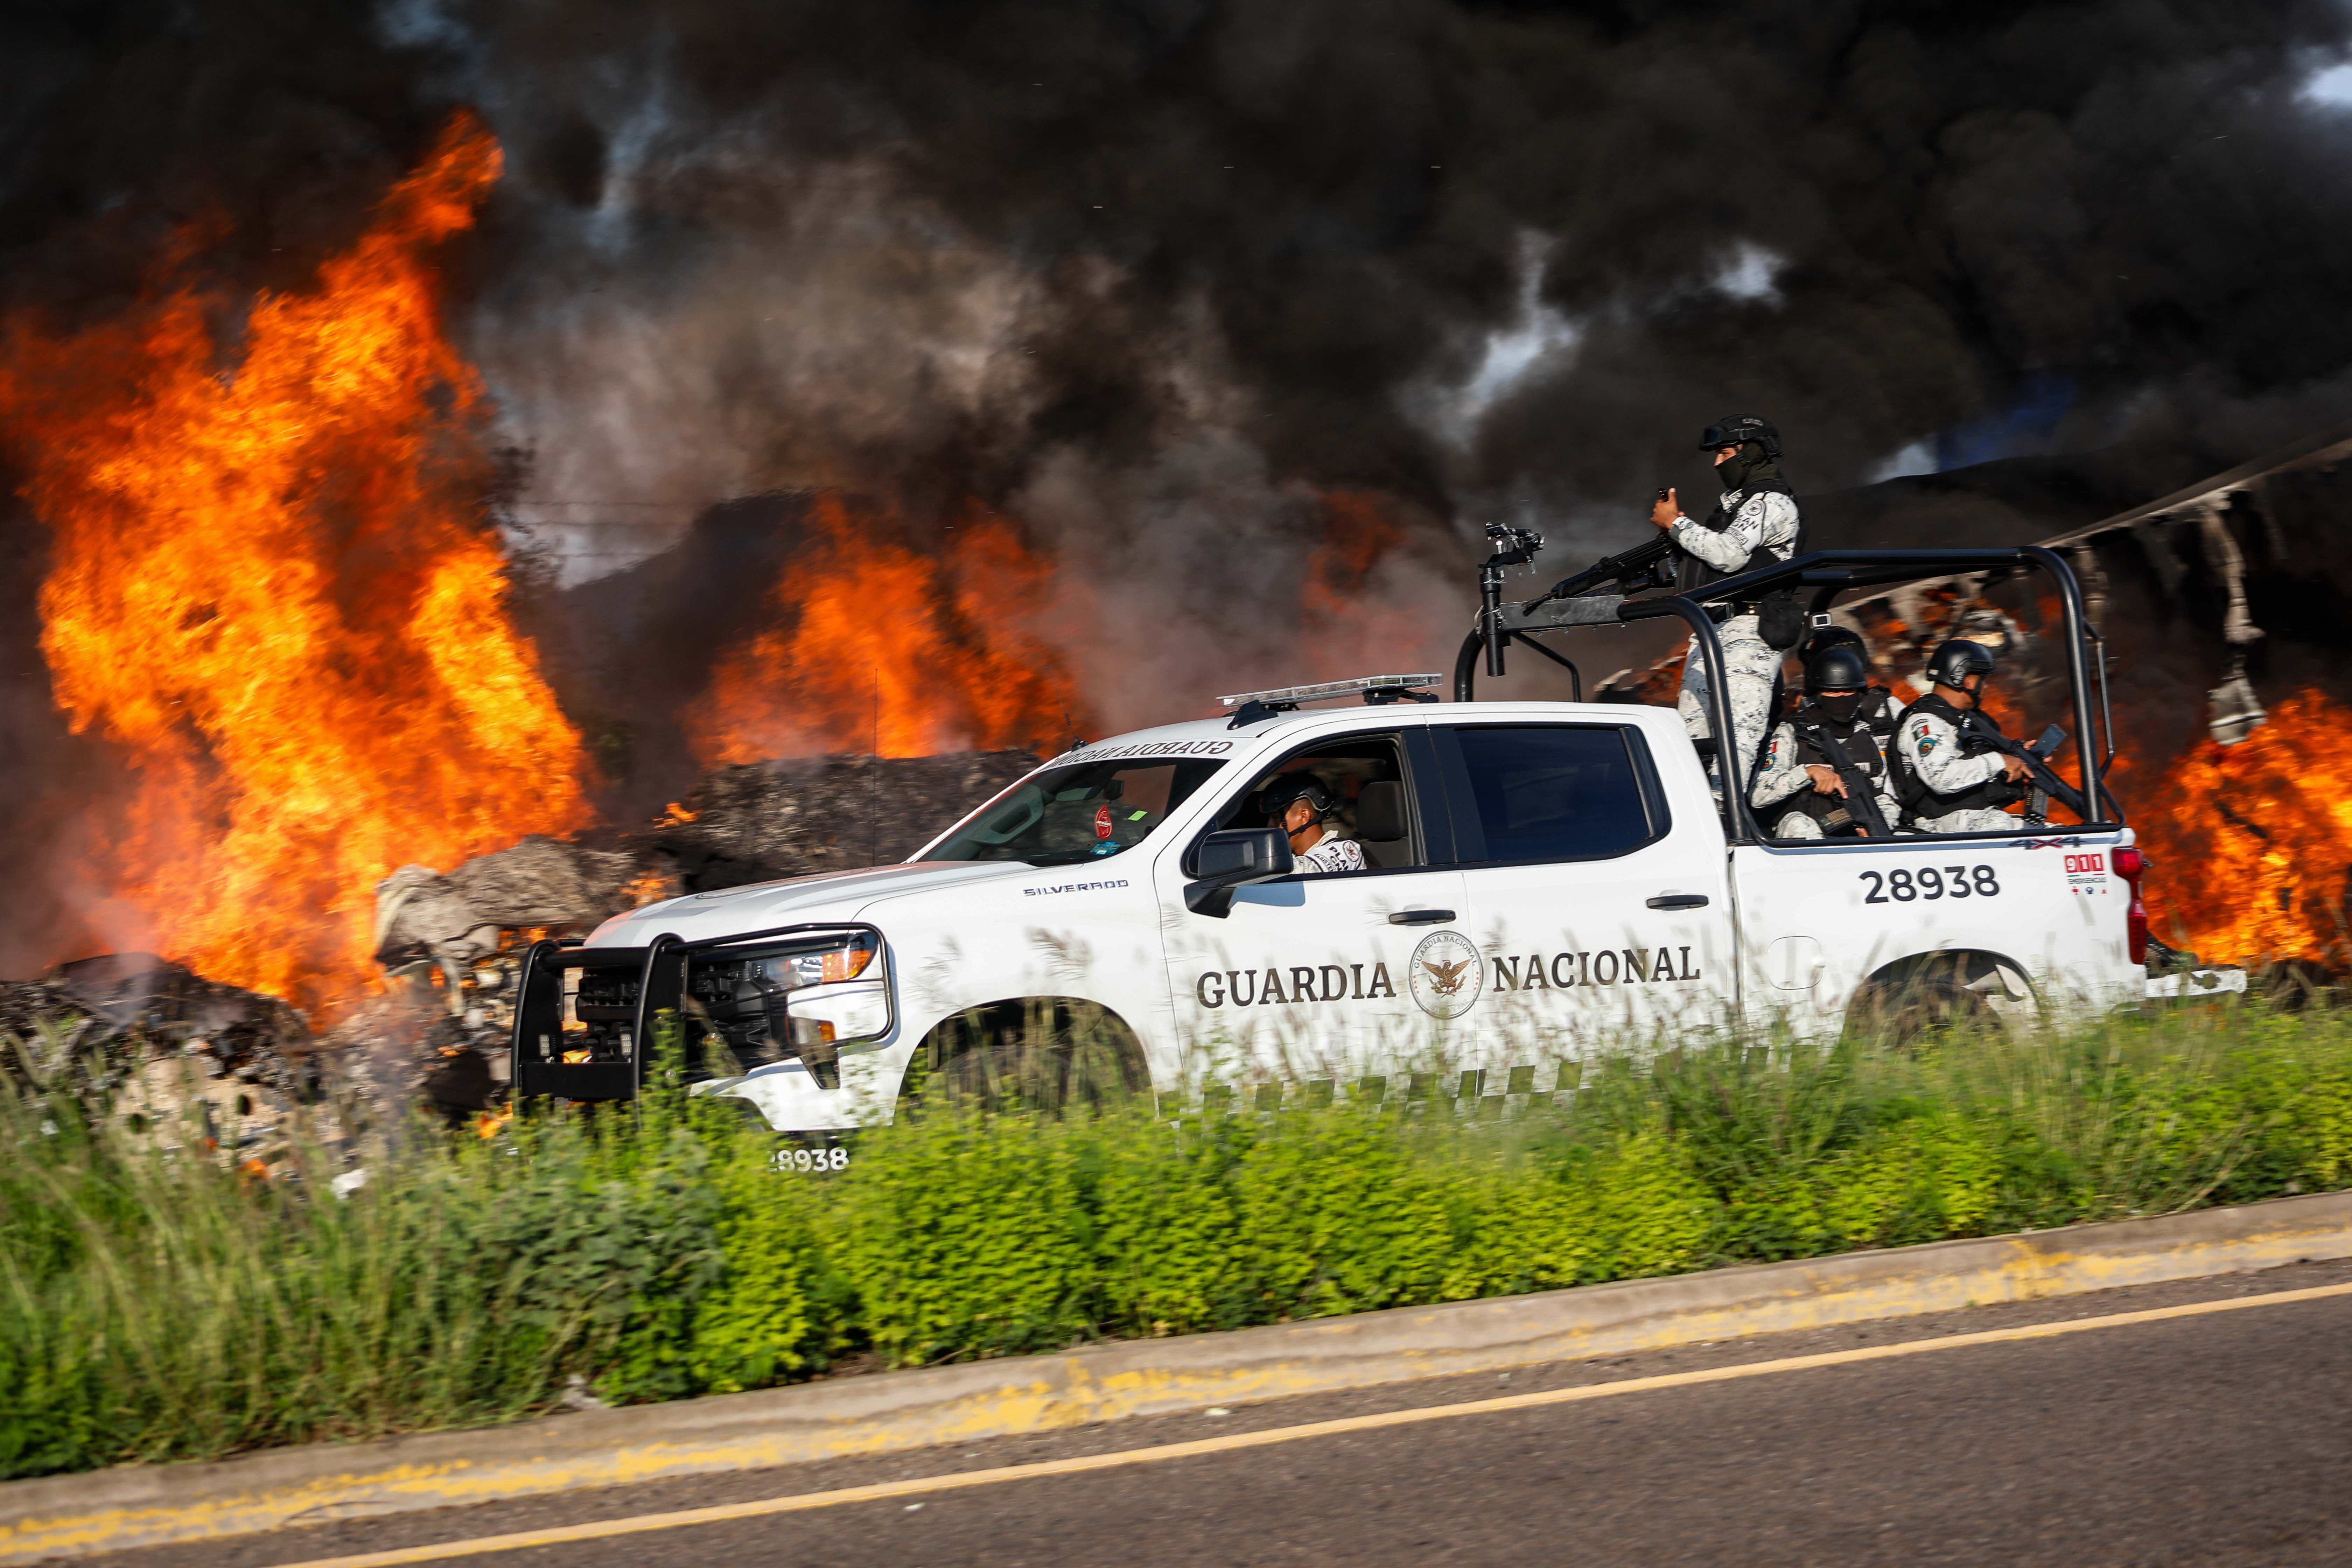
[1755,523]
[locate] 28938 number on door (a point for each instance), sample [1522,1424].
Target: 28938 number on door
[1950,882]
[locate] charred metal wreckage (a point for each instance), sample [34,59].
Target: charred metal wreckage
[193,1057]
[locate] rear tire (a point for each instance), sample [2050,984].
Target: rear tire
[1899,1013]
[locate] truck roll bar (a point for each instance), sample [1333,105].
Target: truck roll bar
[1827,573]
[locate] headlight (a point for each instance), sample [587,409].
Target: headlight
[845,1016]
[757,975]
[795,997]
[846,961]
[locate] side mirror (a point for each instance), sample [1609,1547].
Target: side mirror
[1234,858]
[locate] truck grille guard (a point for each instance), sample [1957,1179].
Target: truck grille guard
[621,994]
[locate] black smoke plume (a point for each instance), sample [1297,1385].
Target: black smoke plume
[1152,277]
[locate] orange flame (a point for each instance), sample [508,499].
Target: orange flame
[2249,846]
[1360,528]
[274,586]
[1362,607]
[881,648]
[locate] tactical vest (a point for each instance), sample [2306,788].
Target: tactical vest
[1861,746]
[1878,713]
[1920,801]
[1692,572]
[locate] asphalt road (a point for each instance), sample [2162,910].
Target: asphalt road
[2215,1439]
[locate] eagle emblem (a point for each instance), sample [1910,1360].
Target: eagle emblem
[1448,973]
[1446,979]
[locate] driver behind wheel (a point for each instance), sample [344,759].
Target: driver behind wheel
[1301,804]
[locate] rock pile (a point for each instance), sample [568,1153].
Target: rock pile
[452,943]
[767,820]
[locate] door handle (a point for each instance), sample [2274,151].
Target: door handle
[1421,917]
[1678,901]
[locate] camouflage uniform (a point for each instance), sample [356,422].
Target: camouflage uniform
[1329,854]
[1763,526]
[1931,748]
[1783,777]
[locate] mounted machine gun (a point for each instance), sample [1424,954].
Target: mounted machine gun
[1586,598]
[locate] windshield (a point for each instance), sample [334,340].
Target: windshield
[1087,811]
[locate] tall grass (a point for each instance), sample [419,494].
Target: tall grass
[159,1302]
[156,1303]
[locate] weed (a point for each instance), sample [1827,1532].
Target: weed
[158,1303]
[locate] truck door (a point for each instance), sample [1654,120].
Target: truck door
[1594,912]
[1312,976]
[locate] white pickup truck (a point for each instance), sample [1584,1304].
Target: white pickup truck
[1539,877]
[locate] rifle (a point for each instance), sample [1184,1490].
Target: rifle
[1628,571]
[1861,798]
[1979,735]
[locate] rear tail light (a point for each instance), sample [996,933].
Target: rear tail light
[2131,866]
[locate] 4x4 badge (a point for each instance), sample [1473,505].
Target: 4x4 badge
[1448,975]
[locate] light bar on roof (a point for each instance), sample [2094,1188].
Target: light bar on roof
[1330,688]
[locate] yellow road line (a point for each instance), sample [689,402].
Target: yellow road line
[800,1502]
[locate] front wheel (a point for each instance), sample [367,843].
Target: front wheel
[1047,1054]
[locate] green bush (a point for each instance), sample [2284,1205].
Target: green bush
[157,1303]
[961,1236]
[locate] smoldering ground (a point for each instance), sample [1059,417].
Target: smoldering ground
[1156,278]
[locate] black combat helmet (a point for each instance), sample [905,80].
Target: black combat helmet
[1837,667]
[1278,795]
[1738,430]
[1957,660]
[1828,638]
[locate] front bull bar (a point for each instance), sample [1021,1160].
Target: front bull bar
[661,969]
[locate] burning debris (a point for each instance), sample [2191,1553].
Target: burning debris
[451,944]
[447,924]
[197,1059]
[2258,841]
[163,1041]
[274,587]
[97,1003]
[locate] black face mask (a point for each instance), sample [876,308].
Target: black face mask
[1749,463]
[1840,709]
